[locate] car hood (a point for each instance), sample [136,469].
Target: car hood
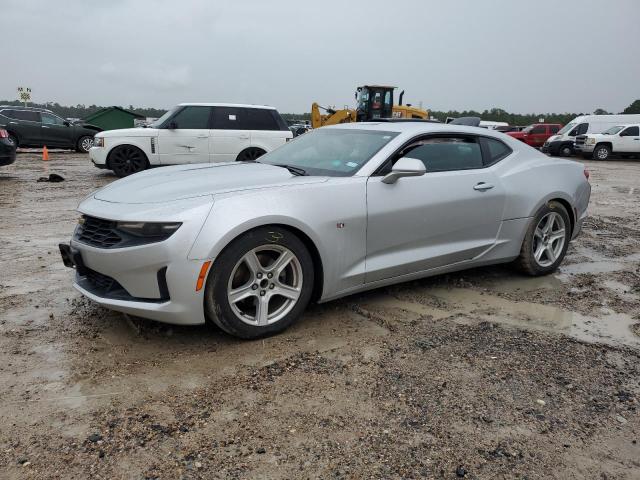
[131,132]
[166,184]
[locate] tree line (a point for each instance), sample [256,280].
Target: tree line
[494,114]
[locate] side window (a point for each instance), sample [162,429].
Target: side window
[539,129]
[229,118]
[631,132]
[192,117]
[49,119]
[494,150]
[582,128]
[260,119]
[8,113]
[442,154]
[554,129]
[26,115]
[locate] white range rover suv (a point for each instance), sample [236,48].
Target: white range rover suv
[192,133]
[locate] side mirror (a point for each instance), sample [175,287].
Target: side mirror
[172,125]
[405,167]
[67,123]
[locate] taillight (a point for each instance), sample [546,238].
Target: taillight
[586,173]
[4,133]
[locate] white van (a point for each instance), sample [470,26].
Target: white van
[563,143]
[192,133]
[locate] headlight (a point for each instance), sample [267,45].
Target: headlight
[590,141]
[98,141]
[156,230]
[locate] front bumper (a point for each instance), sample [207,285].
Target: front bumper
[553,148]
[140,281]
[7,153]
[584,148]
[98,156]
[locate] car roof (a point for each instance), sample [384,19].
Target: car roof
[238,105]
[21,107]
[418,127]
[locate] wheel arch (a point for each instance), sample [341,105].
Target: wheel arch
[605,143]
[570,211]
[305,238]
[125,144]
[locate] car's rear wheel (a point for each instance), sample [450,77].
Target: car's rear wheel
[126,160]
[250,154]
[260,284]
[546,240]
[14,140]
[601,152]
[84,144]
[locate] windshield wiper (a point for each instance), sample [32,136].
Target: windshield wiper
[295,170]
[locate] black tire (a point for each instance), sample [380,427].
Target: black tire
[217,306]
[250,154]
[527,262]
[565,150]
[84,143]
[126,160]
[13,139]
[601,152]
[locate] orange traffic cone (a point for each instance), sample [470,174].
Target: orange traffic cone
[45,154]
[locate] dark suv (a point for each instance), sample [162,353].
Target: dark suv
[37,127]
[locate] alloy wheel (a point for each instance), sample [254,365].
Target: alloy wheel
[549,238]
[127,160]
[265,285]
[250,155]
[86,144]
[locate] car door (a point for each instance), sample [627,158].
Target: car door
[54,131]
[537,135]
[25,124]
[229,135]
[629,140]
[184,138]
[451,214]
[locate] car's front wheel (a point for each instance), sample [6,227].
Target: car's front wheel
[260,284]
[126,160]
[84,144]
[566,150]
[546,240]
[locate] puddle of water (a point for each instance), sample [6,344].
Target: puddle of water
[464,304]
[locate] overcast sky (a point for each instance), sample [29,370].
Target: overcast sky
[523,56]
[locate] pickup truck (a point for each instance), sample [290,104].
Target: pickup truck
[623,139]
[535,135]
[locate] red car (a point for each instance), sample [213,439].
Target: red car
[536,134]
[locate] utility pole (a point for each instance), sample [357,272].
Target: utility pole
[25,94]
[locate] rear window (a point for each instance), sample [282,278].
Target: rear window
[495,150]
[23,115]
[260,119]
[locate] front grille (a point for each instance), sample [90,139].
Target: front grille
[581,139]
[97,232]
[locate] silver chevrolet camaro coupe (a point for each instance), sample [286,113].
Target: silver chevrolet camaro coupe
[247,245]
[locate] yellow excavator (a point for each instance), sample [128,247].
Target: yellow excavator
[372,102]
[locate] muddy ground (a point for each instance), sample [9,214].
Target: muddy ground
[483,374]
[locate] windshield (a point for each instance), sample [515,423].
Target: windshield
[330,151]
[567,128]
[527,129]
[613,130]
[158,123]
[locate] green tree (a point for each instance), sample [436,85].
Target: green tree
[633,108]
[600,111]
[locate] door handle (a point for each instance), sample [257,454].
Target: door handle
[203,136]
[483,186]
[243,137]
[44,126]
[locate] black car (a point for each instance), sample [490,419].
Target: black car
[7,149]
[37,127]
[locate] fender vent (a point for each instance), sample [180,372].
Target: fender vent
[153,145]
